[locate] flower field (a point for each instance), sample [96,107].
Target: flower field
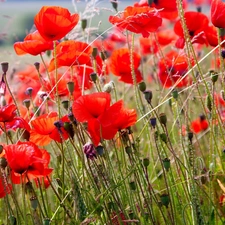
[121,126]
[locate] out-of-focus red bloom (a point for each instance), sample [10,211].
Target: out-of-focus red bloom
[48,127]
[44,181]
[26,159]
[33,44]
[172,68]
[165,37]
[7,113]
[167,9]
[120,65]
[196,23]
[148,46]
[218,13]
[70,53]
[54,22]
[103,120]
[117,219]
[140,20]
[200,124]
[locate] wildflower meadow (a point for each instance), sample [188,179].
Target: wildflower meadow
[121,126]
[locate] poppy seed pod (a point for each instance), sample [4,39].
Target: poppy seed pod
[163,118]
[93,77]
[34,202]
[5,67]
[114,4]
[165,200]
[148,96]
[71,86]
[29,91]
[166,164]
[65,104]
[153,122]
[26,102]
[84,23]
[142,86]
[94,52]
[37,66]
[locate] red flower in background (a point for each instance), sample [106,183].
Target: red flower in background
[26,159]
[7,113]
[200,124]
[218,13]
[70,53]
[48,127]
[140,20]
[172,68]
[196,23]
[120,65]
[54,22]
[167,9]
[33,44]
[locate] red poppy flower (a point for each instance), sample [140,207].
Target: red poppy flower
[200,124]
[33,44]
[148,46]
[140,20]
[90,106]
[120,65]
[172,68]
[196,23]
[54,22]
[70,53]
[165,37]
[48,127]
[26,159]
[218,13]
[103,120]
[7,113]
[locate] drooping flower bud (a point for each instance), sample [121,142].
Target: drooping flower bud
[163,118]
[93,77]
[166,164]
[165,200]
[142,86]
[148,96]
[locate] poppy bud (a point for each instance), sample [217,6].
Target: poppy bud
[165,200]
[94,52]
[83,24]
[26,102]
[114,4]
[29,91]
[90,151]
[34,202]
[146,162]
[3,163]
[163,118]
[100,150]
[153,122]
[148,96]
[166,164]
[199,9]
[132,185]
[93,77]
[163,137]
[70,87]
[46,221]
[128,150]
[65,104]
[214,75]
[5,67]
[103,55]
[142,86]
[37,66]
[12,220]
[175,94]
[69,128]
